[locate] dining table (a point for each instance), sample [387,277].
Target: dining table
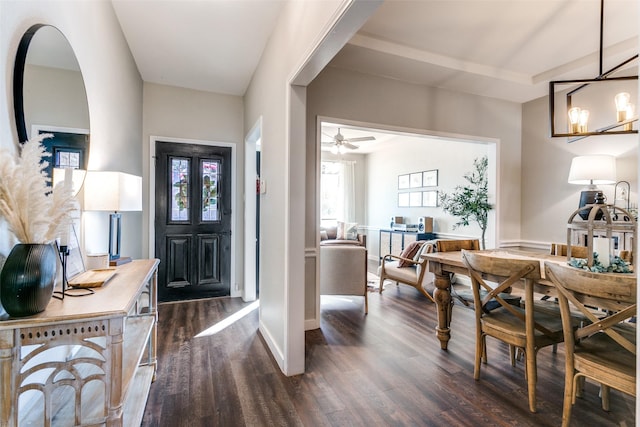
[445,264]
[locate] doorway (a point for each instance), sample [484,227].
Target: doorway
[193,199]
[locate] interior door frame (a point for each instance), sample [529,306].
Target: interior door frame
[235,288]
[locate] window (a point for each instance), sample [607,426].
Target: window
[331,193]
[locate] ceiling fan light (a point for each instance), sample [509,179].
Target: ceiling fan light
[334,149]
[341,149]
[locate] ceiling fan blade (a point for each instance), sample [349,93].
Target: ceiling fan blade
[350,146]
[359,139]
[327,135]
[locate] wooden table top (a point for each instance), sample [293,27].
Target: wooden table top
[113,299]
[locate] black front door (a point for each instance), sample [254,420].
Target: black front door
[193,220]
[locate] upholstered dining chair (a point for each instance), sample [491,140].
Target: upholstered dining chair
[519,328]
[603,349]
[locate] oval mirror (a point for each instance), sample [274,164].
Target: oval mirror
[50,97]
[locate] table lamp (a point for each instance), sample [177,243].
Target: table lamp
[113,192]
[591,171]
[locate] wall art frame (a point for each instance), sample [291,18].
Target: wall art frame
[430,178]
[430,199]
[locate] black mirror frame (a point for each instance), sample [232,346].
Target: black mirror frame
[18,81]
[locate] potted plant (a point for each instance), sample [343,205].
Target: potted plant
[36,215]
[470,202]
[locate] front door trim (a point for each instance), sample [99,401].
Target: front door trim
[236,290]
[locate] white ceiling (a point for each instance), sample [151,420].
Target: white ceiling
[507,49]
[209,45]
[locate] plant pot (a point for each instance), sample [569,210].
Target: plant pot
[27,279]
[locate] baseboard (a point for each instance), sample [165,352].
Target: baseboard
[276,352]
[311,324]
[532,244]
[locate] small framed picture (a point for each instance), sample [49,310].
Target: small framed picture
[415,180]
[403,182]
[415,199]
[430,199]
[430,178]
[403,200]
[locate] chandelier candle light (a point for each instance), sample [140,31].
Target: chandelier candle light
[586,98]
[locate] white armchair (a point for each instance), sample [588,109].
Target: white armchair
[343,271]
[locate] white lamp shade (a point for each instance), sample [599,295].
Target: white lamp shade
[595,169]
[77,177]
[112,191]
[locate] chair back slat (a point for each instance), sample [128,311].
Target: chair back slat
[446,245]
[604,290]
[560,249]
[618,287]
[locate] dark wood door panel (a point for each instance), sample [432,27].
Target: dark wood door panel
[178,261]
[209,259]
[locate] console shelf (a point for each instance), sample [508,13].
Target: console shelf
[83,361]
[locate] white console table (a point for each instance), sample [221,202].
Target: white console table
[85,360]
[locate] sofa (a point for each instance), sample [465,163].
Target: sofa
[342,235]
[343,263]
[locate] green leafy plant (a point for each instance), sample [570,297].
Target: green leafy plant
[470,203]
[34,213]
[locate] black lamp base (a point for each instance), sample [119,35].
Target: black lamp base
[589,197]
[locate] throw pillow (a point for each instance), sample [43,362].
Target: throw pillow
[347,231]
[324,235]
[409,252]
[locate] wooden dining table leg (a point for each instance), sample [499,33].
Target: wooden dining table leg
[442,295]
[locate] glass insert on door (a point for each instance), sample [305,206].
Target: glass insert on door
[210,171]
[180,179]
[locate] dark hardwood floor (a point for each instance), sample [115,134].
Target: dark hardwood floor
[383,369]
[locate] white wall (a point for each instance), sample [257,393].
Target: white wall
[350,96]
[173,112]
[291,54]
[112,81]
[62,104]
[409,155]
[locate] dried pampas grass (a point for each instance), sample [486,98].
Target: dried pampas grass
[34,213]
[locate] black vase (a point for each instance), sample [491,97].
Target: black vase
[28,278]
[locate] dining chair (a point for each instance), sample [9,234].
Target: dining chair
[516,326]
[560,249]
[461,292]
[604,349]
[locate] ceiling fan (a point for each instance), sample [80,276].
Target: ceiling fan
[339,144]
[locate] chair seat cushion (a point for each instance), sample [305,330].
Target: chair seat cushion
[407,275]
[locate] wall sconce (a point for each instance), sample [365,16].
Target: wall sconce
[591,171]
[593,93]
[113,192]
